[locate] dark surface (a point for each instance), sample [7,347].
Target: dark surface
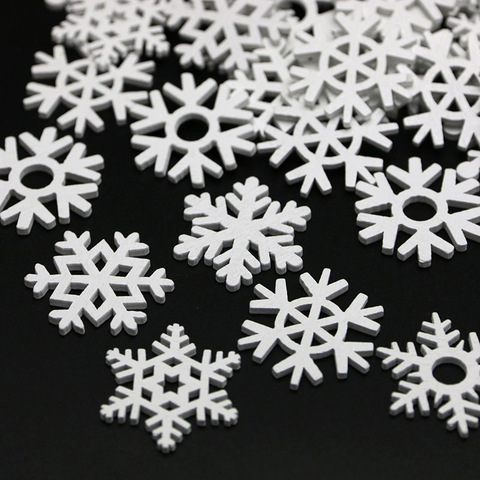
[52,387]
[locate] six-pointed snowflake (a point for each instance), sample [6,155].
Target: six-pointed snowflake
[310,328]
[457,402]
[226,239]
[196,388]
[44,153]
[84,90]
[88,289]
[191,99]
[415,184]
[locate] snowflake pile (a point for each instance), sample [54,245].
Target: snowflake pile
[310,328]
[458,402]
[225,239]
[87,289]
[44,155]
[196,388]
[190,98]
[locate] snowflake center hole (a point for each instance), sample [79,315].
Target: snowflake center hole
[193,129]
[39,178]
[449,372]
[420,209]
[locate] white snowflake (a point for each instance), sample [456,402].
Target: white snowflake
[108,30]
[225,240]
[194,388]
[325,145]
[311,327]
[83,90]
[354,71]
[381,199]
[44,155]
[458,402]
[448,92]
[224,32]
[99,283]
[470,168]
[194,161]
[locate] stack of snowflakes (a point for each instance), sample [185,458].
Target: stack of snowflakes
[315,89]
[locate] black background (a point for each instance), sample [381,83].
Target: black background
[53,386]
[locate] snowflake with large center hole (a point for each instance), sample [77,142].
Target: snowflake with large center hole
[99,283]
[225,32]
[225,239]
[227,111]
[310,328]
[171,387]
[84,90]
[44,156]
[455,209]
[439,345]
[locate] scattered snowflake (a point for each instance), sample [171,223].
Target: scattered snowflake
[310,328]
[457,402]
[381,199]
[228,109]
[99,283]
[194,388]
[225,240]
[43,156]
[83,90]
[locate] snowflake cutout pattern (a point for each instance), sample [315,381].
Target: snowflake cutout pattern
[311,327]
[43,156]
[99,283]
[448,92]
[225,239]
[228,109]
[439,345]
[108,30]
[381,199]
[198,391]
[84,90]
[225,32]
[313,140]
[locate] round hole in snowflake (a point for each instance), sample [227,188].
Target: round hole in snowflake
[37,177]
[420,209]
[193,128]
[450,371]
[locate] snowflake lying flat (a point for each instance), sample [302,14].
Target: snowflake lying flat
[458,402]
[459,225]
[84,91]
[224,32]
[87,289]
[44,153]
[310,328]
[314,140]
[225,239]
[108,30]
[191,99]
[197,391]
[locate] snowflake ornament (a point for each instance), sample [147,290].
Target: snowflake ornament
[84,90]
[439,345]
[195,388]
[228,109]
[87,289]
[225,232]
[310,328]
[325,145]
[225,32]
[470,168]
[44,155]
[381,199]
[448,93]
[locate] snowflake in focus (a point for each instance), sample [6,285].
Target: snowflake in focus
[84,90]
[455,209]
[170,388]
[310,328]
[225,32]
[99,283]
[225,240]
[44,156]
[227,110]
[439,345]
[108,30]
